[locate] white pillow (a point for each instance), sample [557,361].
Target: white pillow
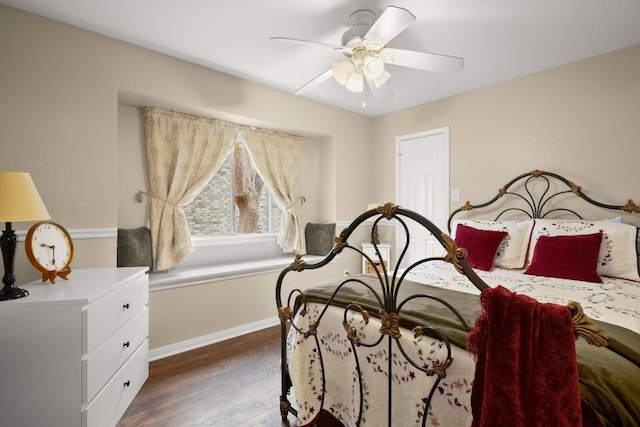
[512,252]
[618,254]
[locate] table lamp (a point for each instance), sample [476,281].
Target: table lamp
[19,201]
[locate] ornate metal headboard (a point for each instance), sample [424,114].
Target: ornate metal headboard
[541,201]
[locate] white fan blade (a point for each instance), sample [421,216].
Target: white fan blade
[382,93]
[392,22]
[326,75]
[331,46]
[427,61]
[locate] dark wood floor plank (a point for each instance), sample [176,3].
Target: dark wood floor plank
[232,383]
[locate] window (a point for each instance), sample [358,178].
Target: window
[236,200]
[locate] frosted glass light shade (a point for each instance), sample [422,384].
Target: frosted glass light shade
[355,83]
[19,198]
[343,70]
[373,67]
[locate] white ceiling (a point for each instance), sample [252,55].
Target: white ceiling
[499,39]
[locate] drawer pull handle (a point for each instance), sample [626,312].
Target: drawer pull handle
[125,306]
[127,383]
[126,344]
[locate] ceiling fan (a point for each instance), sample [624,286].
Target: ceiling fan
[364,45]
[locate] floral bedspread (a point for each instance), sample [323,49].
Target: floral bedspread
[615,301]
[411,386]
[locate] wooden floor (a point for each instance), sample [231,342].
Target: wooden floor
[233,383]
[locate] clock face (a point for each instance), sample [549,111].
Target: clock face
[49,246]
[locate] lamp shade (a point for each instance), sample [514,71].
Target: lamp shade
[19,198]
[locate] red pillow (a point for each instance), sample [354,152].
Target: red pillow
[481,245]
[567,257]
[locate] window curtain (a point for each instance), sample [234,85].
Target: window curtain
[278,159]
[183,154]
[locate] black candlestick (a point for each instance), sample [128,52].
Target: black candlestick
[8,243]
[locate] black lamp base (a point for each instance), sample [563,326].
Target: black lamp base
[13,293]
[8,243]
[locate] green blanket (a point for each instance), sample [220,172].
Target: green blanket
[609,377]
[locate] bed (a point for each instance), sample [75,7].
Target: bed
[529,317]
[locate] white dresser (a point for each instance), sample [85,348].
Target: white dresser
[74,353]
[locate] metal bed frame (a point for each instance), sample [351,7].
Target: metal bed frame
[390,313]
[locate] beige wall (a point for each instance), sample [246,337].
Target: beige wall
[67,94]
[69,114]
[579,120]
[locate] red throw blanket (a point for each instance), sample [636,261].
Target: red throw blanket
[526,369]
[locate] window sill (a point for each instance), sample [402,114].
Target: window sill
[188,276]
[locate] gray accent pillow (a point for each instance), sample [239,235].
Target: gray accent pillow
[319,238]
[134,247]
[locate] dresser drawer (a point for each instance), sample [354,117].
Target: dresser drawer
[112,401]
[108,314]
[100,366]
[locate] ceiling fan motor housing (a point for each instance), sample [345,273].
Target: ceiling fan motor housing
[361,20]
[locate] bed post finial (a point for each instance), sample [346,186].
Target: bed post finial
[575,189]
[583,327]
[439,367]
[352,333]
[390,324]
[388,210]
[454,253]
[631,207]
[297,263]
[285,314]
[340,241]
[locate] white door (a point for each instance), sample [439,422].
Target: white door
[422,185]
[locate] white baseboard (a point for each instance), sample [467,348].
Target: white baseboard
[192,344]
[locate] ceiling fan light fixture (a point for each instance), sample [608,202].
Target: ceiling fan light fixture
[342,71]
[373,67]
[355,83]
[365,47]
